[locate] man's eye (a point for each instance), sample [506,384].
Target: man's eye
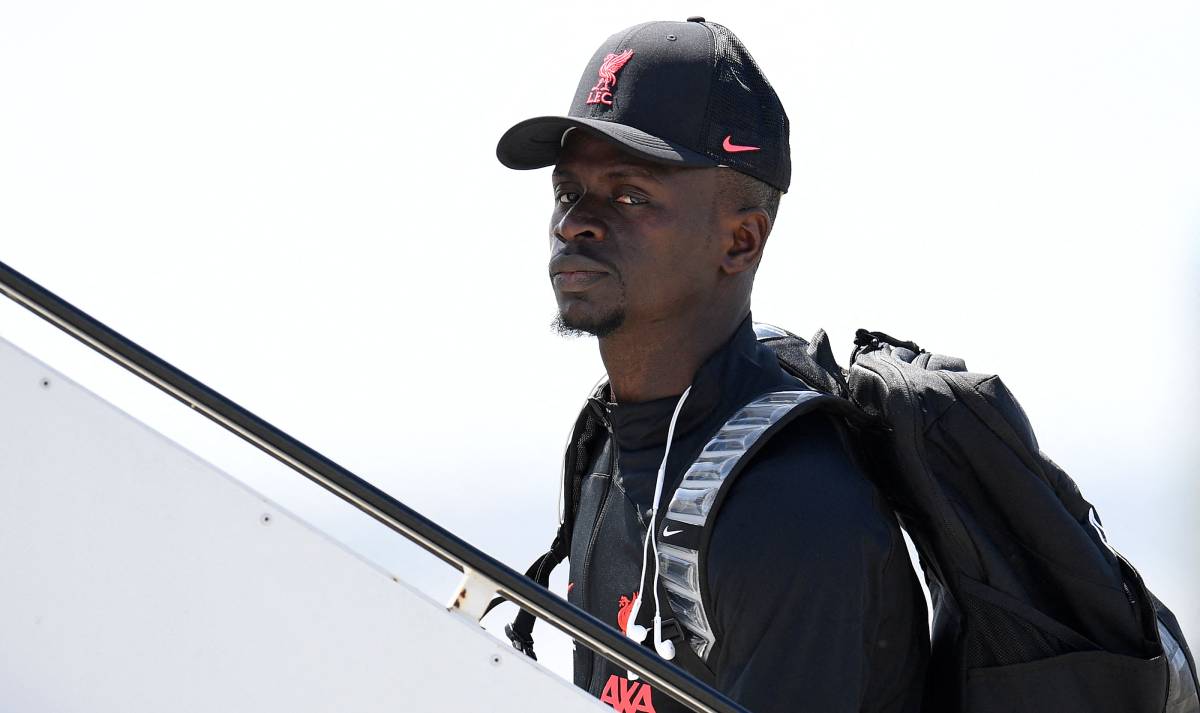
[567,197]
[629,199]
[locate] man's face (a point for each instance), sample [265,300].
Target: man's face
[631,242]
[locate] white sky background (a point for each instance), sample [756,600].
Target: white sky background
[299,205]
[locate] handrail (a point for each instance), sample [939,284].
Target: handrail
[515,587]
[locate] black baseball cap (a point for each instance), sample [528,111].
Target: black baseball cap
[686,93]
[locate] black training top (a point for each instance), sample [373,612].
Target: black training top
[810,592]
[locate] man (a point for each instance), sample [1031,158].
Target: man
[667,175]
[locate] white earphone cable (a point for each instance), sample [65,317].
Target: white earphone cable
[665,648]
[633,630]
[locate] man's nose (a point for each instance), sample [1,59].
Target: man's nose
[578,222]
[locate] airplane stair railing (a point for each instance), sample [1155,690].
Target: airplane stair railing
[483,574]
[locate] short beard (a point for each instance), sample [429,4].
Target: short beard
[600,327]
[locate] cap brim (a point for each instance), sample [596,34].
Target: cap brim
[536,143]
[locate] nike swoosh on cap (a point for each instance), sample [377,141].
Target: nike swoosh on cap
[735,148]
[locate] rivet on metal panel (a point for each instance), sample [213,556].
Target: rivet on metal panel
[265,518]
[496,659]
[45,383]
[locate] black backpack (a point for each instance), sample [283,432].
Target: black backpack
[1033,610]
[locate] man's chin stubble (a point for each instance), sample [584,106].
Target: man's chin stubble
[600,327]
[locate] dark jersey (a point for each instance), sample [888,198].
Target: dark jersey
[809,588]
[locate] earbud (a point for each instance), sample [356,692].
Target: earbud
[664,647]
[633,630]
[637,632]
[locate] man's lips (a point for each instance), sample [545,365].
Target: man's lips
[573,273]
[577,280]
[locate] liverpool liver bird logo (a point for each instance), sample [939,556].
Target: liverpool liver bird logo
[624,609]
[602,92]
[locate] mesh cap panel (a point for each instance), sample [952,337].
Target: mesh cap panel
[743,106]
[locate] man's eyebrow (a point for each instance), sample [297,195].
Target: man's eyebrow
[631,170]
[623,170]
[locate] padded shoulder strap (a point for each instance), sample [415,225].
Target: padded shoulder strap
[811,361]
[685,528]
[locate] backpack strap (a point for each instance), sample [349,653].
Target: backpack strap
[810,360]
[520,631]
[686,526]
[578,454]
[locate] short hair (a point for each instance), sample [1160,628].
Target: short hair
[745,191]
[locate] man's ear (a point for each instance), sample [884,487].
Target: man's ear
[746,234]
